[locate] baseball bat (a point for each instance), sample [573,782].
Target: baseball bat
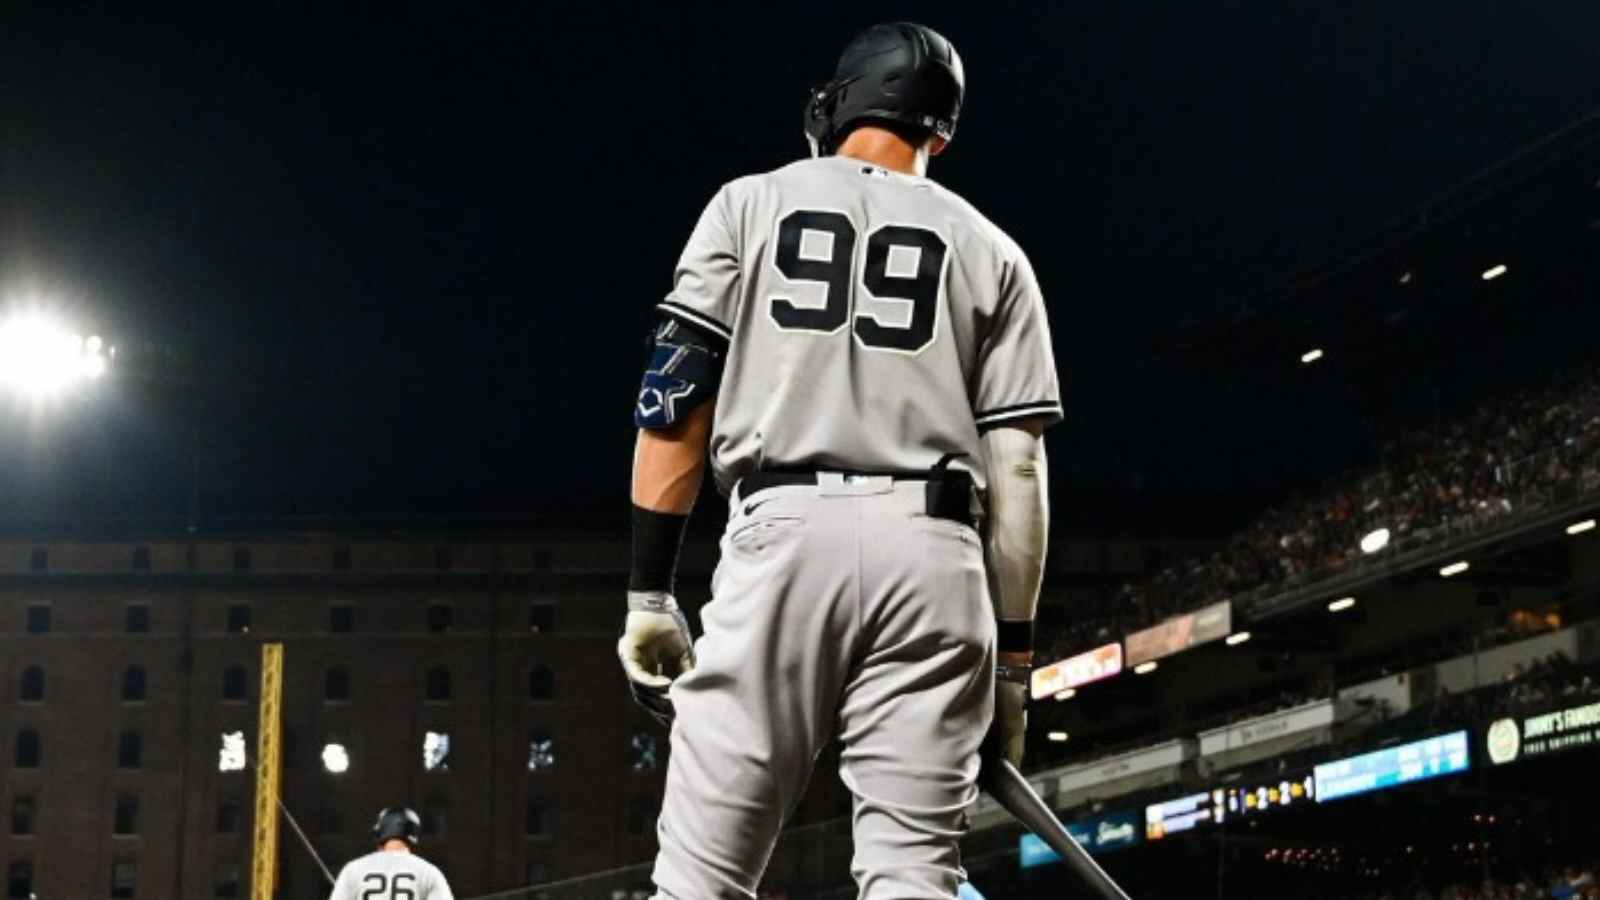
[1007,786]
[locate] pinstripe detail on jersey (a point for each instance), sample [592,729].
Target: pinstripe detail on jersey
[697,319]
[992,417]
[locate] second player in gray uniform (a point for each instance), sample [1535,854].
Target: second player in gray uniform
[865,361]
[393,871]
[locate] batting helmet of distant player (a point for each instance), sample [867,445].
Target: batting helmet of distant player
[397,822]
[900,73]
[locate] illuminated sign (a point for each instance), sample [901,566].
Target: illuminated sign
[1179,633]
[1077,671]
[1250,800]
[1102,834]
[1552,732]
[1380,769]
[1184,814]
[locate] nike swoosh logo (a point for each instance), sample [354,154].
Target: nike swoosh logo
[751,507]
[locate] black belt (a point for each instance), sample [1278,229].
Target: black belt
[949,492]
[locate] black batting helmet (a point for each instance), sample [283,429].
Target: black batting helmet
[397,822]
[901,72]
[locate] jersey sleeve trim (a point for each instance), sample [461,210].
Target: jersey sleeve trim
[1049,409]
[695,318]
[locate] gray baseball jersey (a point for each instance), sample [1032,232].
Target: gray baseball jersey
[385,875]
[875,320]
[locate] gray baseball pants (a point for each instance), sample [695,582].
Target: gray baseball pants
[840,609]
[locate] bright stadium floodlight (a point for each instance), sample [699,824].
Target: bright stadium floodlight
[1145,668]
[1494,272]
[335,759]
[40,357]
[1311,356]
[1455,568]
[1059,737]
[1341,604]
[1374,540]
[1577,528]
[1237,638]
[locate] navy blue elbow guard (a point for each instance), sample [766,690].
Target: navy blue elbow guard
[684,371]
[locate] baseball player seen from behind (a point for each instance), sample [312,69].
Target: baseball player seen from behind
[864,361]
[393,871]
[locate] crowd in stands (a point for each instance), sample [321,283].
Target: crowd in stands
[1575,882]
[1509,458]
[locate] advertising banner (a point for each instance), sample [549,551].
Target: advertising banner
[1101,834]
[1077,671]
[1209,623]
[1509,740]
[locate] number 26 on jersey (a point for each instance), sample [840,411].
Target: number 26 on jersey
[902,263]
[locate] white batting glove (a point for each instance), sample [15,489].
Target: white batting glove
[655,648]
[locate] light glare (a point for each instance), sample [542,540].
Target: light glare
[41,358]
[1455,568]
[1057,736]
[1145,668]
[1494,272]
[1237,638]
[1311,356]
[1581,527]
[1067,694]
[1375,540]
[1341,604]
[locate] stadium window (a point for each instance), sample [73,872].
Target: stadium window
[336,685]
[23,810]
[438,687]
[539,822]
[439,617]
[38,619]
[124,875]
[341,618]
[541,617]
[133,685]
[225,884]
[126,819]
[28,750]
[541,752]
[141,559]
[228,815]
[138,619]
[232,756]
[239,618]
[241,559]
[642,812]
[435,816]
[31,690]
[442,559]
[19,880]
[541,683]
[130,750]
[341,559]
[436,751]
[235,684]
[643,747]
[39,560]
[329,821]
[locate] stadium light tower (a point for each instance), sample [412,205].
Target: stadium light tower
[40,358]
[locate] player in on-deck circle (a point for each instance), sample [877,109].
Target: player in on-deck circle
[393,871]
[865,363]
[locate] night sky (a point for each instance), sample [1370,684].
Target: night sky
[409,253]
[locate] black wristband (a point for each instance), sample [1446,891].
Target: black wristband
[656,539]
[1016,635]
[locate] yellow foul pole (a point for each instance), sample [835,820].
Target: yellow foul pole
[269,758]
